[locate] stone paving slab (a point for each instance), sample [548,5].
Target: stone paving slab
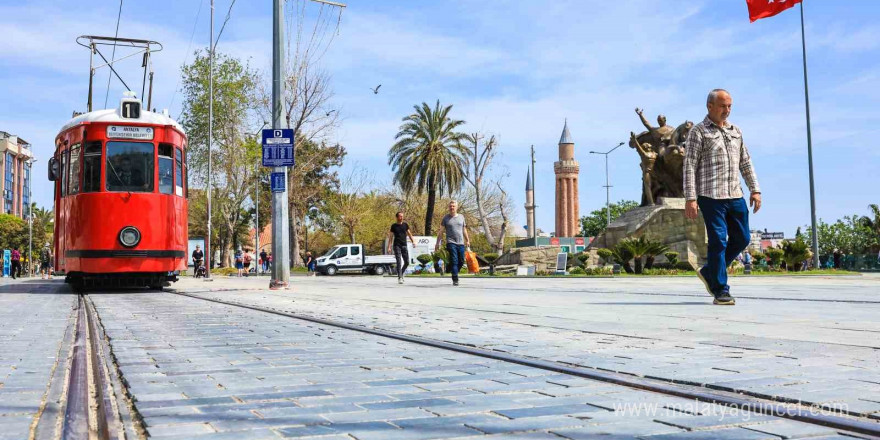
[377,388]
[34,316]
[809,339]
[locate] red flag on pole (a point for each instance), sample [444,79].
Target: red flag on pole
[759,9]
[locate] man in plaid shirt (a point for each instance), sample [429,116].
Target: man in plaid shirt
[715,156]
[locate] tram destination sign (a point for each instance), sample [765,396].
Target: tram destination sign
[278,147]
[129,132]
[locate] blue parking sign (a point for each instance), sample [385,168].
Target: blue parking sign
[278,147]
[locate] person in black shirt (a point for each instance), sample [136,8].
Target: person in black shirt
[264,261]
[198,256]
[399,231]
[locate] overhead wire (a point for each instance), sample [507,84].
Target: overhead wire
[225,20]
[113,56]
[188,47]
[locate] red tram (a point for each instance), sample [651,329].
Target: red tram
[120,197]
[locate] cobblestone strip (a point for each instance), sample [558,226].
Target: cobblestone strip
[204,370]
[34,316]
[833,376]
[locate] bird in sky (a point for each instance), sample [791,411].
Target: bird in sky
[376,90]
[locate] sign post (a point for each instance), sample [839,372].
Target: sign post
[278,153]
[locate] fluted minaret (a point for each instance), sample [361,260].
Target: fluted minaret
[530,206]
[567,170]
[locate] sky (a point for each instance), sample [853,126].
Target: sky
[516,70]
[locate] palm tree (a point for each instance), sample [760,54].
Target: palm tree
[428,155]
[873,223]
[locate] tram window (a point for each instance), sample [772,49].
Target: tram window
[75,170]
[92,167]
[64,171]
[130,166]
[178,172]
[185,176]
[166,163]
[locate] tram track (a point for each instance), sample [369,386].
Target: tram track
[87,399]
[827,417]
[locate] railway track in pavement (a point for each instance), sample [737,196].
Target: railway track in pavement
[817,416]
[87,398]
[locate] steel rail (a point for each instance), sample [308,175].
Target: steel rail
[760,406]
[88,409]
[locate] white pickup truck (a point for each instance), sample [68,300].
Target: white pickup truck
[351,258]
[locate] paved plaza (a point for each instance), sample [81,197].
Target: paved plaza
[199,369]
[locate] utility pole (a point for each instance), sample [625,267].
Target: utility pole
[257,221]
[208,254]
[280,224]
[30,211]
[607,187]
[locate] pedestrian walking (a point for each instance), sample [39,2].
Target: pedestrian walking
[310,263]
[239,261]
[715,155]
[397,240]
[46,262]
[264,261]
[15,268]
[247,259]
[457,239]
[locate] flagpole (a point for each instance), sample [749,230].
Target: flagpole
[810,148]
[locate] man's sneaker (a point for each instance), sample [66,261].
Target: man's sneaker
[724,299]
[703,279]
[400,281]
[455,283]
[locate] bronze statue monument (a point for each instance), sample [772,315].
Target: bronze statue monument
[661,149]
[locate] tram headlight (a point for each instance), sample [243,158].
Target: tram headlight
[129,236]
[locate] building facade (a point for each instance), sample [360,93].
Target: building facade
[16,167]
[567,170]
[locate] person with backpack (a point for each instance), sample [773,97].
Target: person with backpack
[239,261]
[15,269]
[246,260]
[264,261]
[46,263]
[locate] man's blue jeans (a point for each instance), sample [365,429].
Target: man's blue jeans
[456,258]
[727,227]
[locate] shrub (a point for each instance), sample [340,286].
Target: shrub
[424,259]
[605,254]
[794,252]
[598,271]
[653,249]
[583,257]
[224,271]
[622,253]
[656,271]
[775,255]
[758,257]
[577,271]
[672,258]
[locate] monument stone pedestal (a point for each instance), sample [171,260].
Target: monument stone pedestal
[664,222]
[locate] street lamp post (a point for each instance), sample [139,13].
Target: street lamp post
[30,212]
[607,186]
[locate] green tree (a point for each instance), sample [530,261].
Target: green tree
[13,232]
[235,151]
[593,224]
[428,155]
[873,223]
[850,235]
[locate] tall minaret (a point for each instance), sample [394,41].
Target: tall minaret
[567,170]
[530,206]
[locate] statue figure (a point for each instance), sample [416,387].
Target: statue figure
[662,152]
[661,135]
[679,136]
[649,157]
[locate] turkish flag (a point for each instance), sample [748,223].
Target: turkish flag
[759,9]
